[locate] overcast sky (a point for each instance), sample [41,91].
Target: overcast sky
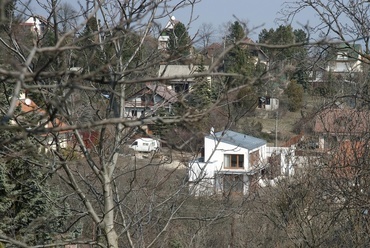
[258,13]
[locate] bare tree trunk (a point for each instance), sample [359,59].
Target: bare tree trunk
[108,221]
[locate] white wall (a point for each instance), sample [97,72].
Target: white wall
[202,177]
[214,151]
[345,66]
[36,25]
[62,140]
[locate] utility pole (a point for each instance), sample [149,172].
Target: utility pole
[276,128]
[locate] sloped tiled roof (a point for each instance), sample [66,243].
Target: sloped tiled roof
[342,121]
[29,107]
[163,91]
[239,139]
[213,49]
[178,71]
[344,163]
[293,140]
[171,23]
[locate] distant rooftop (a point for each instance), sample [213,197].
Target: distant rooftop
[179,71]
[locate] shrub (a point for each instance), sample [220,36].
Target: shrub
[294,93]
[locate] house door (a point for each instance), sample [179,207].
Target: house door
[233,184]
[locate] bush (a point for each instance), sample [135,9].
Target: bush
[294,92]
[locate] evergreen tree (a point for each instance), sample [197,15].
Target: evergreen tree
[200,97]
[246,99]
[294,93]
[27,202]
[91,57]
[238,60]
[297,56]
[236,32]
[7,14]
[179,43]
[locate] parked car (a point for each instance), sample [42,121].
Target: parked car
[145,145]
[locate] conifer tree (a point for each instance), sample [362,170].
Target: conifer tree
[179,42]
[294,93]
[28,205]
[201,94]
[297,56]
[238,60]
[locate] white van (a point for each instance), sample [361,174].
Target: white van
[145,145]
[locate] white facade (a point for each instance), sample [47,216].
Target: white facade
[36,25]
[347,60]
[268,103]
[164,38]
[230,161]
[345,66]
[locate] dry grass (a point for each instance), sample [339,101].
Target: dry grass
[287,120]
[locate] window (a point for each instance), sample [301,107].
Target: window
[234,161]
[342,55]
[181,88]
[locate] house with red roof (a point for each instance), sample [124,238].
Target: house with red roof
[334,125]
[33,117]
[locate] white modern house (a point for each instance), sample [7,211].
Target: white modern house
[231,165]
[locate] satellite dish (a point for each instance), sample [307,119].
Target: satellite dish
[28,101]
